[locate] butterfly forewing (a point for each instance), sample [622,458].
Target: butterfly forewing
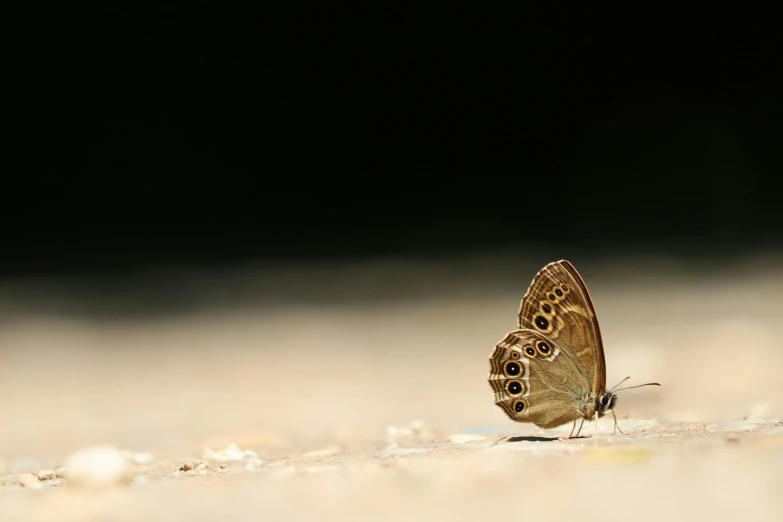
[558,306]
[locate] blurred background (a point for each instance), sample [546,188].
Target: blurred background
[301,225]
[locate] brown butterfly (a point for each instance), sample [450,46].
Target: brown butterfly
[551,370]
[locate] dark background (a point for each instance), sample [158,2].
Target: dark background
[148,133]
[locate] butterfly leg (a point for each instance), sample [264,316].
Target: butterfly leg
[580,426]
[571,435]
[572,430]
[596,423]
[616,425]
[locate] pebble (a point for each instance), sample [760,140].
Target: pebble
[232,452]
[47,474]
[140,481]
[253,465]
[98,466]
[138,457]
[415,429]
[199,467]
[325,452]
[194,466]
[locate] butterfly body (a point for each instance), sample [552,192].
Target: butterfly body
[551,369]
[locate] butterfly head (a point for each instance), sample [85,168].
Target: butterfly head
[605,403]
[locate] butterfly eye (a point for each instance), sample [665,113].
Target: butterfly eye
[604,400]
[541,322]
[543,348]
[530,351]
[520,406]
[515,388]
[512,369]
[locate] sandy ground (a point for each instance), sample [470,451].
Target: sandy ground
[359,392]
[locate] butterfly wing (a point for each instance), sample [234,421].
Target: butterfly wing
[534,380]
[558,305]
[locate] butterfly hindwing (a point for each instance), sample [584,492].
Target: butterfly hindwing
[535,380]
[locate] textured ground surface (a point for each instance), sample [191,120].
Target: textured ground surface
[359,392]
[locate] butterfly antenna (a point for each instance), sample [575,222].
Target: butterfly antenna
[638,386]
[619,383]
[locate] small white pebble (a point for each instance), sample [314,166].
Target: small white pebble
[253,465]
[140,481]
[97,466]
[229,453]
[325,452]
[47,474]
[138,457]
[415,429]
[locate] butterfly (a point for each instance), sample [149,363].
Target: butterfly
[551,370]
